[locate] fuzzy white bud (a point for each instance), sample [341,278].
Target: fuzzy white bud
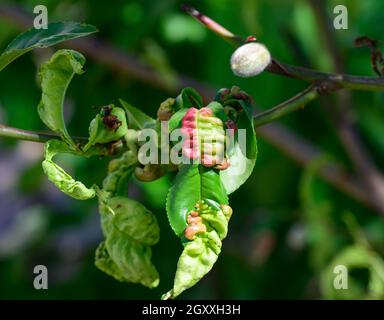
[250,59]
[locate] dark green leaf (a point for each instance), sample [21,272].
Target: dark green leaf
[248,109]
[218,111]
[137,119]
[175,121]
[192,183]
[33,38]
[188,98]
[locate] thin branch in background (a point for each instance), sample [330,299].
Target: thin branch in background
[295,103]
[344,115]
[347,130]
[283,139]
[34,136]
[340,80]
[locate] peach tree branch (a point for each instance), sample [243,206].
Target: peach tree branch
[286,141]
[340,80]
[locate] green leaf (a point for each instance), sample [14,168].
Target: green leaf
[176,120]
[188,98]
[246,123]
[137,119]
[248,109]
[59,177]
[238,172]
[241,161]
[55,76]
[192,183]
[33,38]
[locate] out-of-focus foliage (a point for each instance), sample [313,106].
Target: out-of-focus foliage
[287,231]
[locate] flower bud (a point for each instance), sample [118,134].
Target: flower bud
[150,172]
[250,59]
[166,109]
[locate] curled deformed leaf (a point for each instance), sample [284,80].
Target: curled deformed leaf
[166,109]
[204,138]
[135,220]
[119,171]
[201,252]
[126,261]
[104,262]
[132,259]
[214,217]
[55,76]
[109,125]
[149,172]
[59,177]
[195,262]
[221,135]
[130,229]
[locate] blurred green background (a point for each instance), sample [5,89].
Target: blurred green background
[288,225]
